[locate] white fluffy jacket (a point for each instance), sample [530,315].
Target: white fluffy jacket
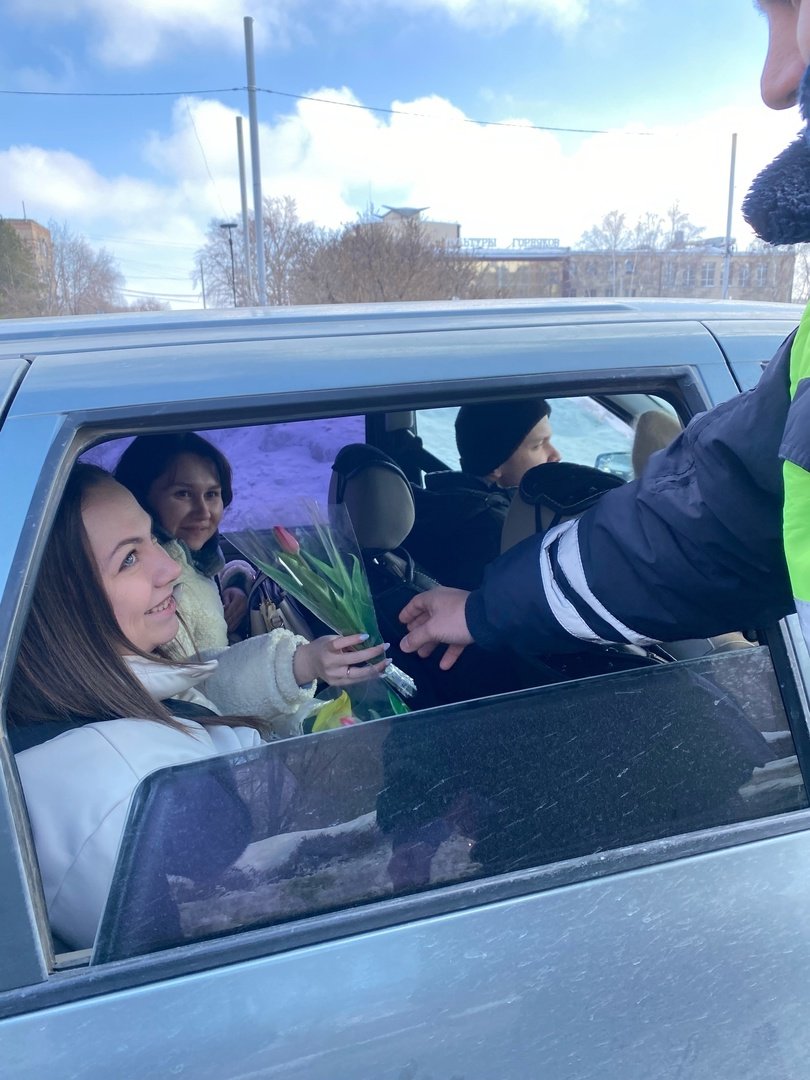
[79,784]
[199,604]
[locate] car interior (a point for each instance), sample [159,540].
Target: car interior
[502,764]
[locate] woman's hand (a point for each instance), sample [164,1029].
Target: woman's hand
[337,661]
[234,603]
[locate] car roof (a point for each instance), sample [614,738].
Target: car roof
[146,359]
[69,333]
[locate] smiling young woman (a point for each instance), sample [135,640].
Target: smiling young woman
[184,483]
[136,573]
[96,703]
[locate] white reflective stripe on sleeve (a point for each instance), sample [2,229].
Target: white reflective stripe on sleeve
[565,614]
[803,611]
[570,563]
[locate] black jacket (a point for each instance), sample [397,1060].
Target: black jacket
[691,549]
[458,526]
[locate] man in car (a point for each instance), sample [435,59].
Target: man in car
[460,514]
[715,536]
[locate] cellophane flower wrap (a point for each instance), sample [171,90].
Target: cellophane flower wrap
[320,565]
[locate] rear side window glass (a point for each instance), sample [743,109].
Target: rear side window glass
[582,429]
[274,465]
[407,804]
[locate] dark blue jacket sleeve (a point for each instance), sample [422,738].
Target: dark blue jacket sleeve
[692,549]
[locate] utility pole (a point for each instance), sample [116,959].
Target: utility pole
[727,255]
[230,226]
[202,283]
[240,146]
[258,209]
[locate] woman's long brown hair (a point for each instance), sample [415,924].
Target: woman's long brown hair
[70,663]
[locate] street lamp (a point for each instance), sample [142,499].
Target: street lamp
[230,226]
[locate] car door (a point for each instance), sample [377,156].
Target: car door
[672,950]
[682,954]
[748,347]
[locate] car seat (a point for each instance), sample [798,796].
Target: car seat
[655,429]
[551,493]
[379,500]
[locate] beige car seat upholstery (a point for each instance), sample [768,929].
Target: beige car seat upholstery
[655,429]
[379,501]
[551,493]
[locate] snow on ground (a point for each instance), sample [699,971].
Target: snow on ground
[286,877]
[275,467]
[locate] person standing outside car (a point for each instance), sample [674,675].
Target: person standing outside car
[460,514]
[715,536]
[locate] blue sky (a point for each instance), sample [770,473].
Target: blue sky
[144,175]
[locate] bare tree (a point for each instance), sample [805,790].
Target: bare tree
[147,303]
[681,230]
[20,288]
[289,245]
[618,260]
[647,234]
[801,275]
[79,280]
[372,260]
[611,236]
[780,273]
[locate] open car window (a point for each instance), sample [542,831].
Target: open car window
[582,430]
[402,805]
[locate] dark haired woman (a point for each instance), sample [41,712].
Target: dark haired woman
[184,482]
[96,704]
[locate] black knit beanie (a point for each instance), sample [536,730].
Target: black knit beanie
[487,435]
[777,207]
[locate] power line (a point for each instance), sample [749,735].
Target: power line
[464,119]
[140,264]
[122,93]
[139,242]
[155,277]
[323,101]
[161,296]
[205,160]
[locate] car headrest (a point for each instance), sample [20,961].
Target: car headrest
[551,493]
[376,493]
[655,429]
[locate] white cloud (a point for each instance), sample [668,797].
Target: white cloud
[502,182]
[512,181]
[153,230]
[564,15]
[132,33]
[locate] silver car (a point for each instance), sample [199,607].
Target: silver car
[572,879]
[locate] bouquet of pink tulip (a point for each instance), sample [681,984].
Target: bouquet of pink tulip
[320,566]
